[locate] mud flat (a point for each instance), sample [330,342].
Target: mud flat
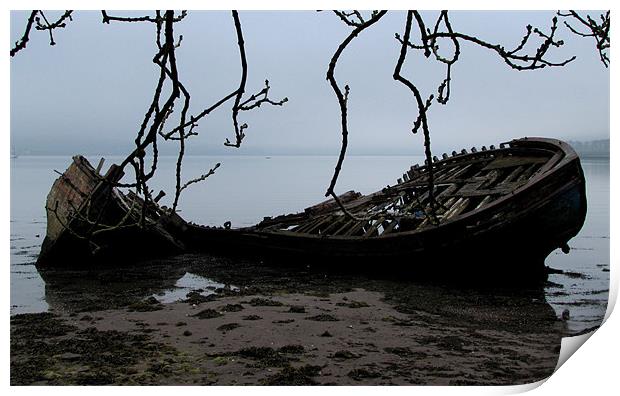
[278,326]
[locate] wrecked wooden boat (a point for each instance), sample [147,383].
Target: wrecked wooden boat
[499,211]
[91,221]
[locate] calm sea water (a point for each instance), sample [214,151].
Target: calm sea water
[247,188]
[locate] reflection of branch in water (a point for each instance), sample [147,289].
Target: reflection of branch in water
[114,288]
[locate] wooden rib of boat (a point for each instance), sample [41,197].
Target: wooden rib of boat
[501,210]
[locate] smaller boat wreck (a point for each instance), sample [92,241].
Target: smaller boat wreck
[499,213]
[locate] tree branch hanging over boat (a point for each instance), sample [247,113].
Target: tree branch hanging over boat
[343,97]
[161,108]
[431,197]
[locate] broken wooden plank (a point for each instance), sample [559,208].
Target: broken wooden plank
[513,174]
[100,165]
[374,227]
[356,227]
[316,229]
[486,200]
[460,172]
[302,228]
[390,227]
[482,192]
[331,203]
[510,161]
[345,226]
[528,172]
[337,221]
[459,206]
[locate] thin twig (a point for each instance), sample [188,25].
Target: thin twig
[600,32]
[21,43]
[201,178]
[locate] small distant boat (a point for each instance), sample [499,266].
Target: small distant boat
[501,212]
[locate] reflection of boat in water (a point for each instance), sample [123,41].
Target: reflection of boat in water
[500,211]
[77,290]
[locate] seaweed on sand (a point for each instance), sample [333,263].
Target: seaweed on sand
[45,350]
[294,376]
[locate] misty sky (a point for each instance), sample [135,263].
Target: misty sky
[88,93]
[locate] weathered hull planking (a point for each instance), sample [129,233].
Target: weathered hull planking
[498,212]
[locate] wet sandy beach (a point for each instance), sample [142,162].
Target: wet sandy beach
[279,326]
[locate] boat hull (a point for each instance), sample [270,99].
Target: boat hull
[88,223]
[509,239]
[519,247]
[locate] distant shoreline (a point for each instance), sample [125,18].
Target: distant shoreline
[591,149]
[594,157]
[601,156]
[586,149]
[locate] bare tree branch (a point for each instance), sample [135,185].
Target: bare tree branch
[238,105]
[51,26]
[201,178]
[422,106]
[516,59]
[444,88]
[441,42]
[342,101]
[511,58]
[158,19]
[157,114]
[600,32]
[346,17]
[21,43]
